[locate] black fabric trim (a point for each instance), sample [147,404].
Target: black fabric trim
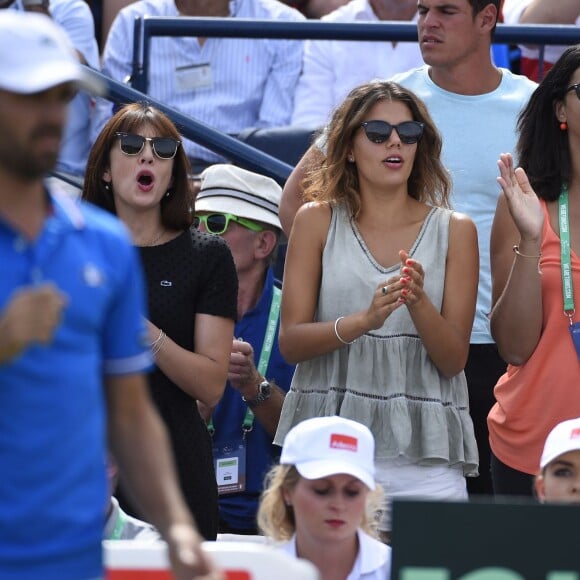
[237,194]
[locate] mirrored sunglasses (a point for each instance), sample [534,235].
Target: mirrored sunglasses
[379,131]
[218,223]
[163,147]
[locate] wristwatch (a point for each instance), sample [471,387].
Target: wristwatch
[264,392]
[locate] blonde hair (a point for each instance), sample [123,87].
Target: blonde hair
[336,180]
[276,518]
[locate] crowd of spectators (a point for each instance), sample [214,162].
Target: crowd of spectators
[440,342]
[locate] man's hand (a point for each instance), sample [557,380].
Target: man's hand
[242,373]
[32,315]
[187,558]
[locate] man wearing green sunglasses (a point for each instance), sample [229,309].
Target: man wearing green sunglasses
[242,207]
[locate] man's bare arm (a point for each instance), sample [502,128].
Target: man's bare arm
[139,442]
[292,194]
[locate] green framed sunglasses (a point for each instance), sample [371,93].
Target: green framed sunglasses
[218,223]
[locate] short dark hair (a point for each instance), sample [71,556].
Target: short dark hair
[543,148]
[478,5]
[177,209]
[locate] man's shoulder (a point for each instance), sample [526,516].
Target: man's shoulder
[411,76]
[348,12]
[148,8]
[90,218]
[513,82]
[60,9]
[268,9]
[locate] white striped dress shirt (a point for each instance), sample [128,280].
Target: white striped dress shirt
[253,79]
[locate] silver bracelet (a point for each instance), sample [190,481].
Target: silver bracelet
[338,335]
[158,342]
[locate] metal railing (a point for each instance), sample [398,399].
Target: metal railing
[146,28]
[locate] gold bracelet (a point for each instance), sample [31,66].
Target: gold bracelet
[338,335]
[517,252]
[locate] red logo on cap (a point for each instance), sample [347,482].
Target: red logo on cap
[345,442]
[575,433]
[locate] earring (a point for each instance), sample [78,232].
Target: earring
[351,159]
[563,126]
[107,186]
[168,194]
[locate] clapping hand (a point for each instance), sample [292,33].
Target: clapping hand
[522,201]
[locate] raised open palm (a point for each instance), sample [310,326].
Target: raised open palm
[523,203]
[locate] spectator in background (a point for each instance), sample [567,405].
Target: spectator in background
[475,106]
[559,480]
[332,68]
[76,19]
[540,12]
[118,524]
[535,244]
[321,500]
[228,83]
[138,171]
[73,343]
[242,207]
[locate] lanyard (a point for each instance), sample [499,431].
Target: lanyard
[565,260]
[263,361]
[119,526]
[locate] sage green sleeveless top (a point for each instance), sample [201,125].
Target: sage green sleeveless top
[385,379]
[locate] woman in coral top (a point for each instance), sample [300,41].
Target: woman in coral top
[535,249]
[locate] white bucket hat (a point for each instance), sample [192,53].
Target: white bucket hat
[326,446]
[229,189]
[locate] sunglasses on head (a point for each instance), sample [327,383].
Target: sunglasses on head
[379,131]
[575,88]
[163,147]
[217,223]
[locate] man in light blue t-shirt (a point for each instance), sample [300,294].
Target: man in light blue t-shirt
[475,105]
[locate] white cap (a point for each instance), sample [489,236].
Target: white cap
[326,446]
[226,188]
[36,55]
[563,437]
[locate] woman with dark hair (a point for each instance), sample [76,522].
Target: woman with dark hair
[379,295]
[535,244]
[138,170]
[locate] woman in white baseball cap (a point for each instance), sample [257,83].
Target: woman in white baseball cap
[321,500]
[559,480]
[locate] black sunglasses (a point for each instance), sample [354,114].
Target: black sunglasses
[163,147]
[576,88]
[379,131]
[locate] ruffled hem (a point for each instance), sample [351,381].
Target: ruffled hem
[428,432]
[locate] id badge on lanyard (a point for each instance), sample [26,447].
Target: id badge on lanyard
[230,457]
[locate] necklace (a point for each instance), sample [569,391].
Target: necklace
[155,240]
